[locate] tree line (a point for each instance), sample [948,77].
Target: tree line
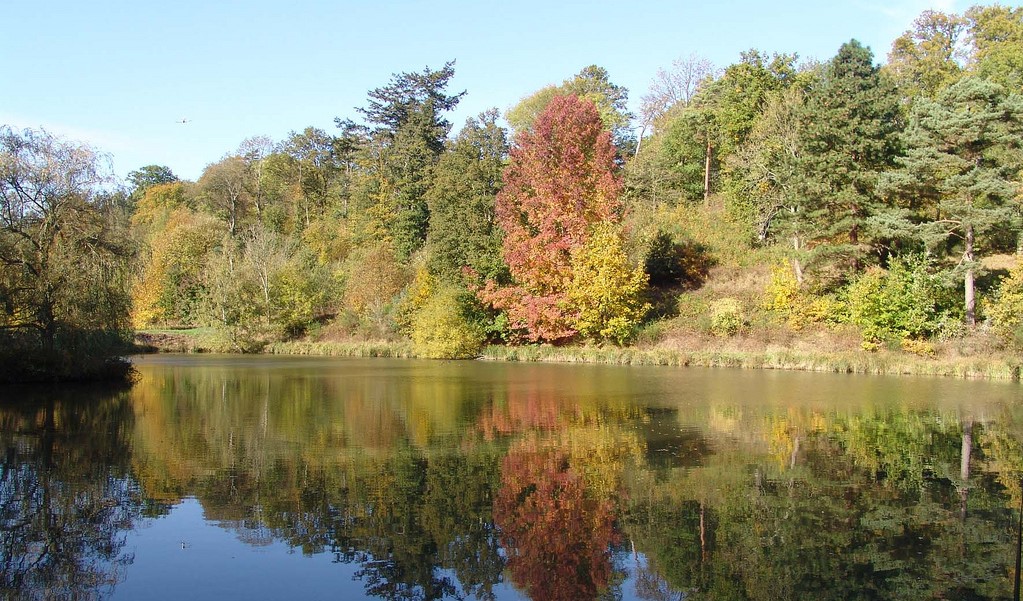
[882,186]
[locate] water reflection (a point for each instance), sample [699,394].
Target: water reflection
[67,498]
[463,480]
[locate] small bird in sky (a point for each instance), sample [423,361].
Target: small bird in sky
[184,120]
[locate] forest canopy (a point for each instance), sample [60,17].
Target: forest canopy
[739,199]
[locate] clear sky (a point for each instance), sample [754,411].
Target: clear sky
[120,75]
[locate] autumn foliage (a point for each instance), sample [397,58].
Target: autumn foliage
[606,293]
[558,537]
[170,285]
[561,179]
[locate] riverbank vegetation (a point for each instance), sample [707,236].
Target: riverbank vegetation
[64,263]
[772,208]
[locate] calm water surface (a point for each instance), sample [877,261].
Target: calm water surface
[305,478]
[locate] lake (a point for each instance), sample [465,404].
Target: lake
[238,477]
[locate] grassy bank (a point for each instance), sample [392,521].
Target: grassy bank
[883,363]
[177,340]
[206,340]
[397,350]
[995,367]
[857,362]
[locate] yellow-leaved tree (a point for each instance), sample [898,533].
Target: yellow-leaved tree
[606,292]
[170,285]
[441,323]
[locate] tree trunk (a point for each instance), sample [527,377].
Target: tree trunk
[703,533]
[639,142]
[797,266]
[706,174]
[854,242]
[970,294]
[232,216]
[47,321]
[265,281]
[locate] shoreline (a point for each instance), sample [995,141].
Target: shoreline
[881,363]
[1004,368]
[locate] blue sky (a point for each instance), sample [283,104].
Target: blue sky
[120,75]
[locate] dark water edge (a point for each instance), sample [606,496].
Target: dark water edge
[35,370]
[270,477]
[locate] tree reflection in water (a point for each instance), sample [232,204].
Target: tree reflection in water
[557,535]
[67,499]
[449,486]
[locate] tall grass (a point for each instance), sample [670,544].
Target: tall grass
[996,368]
[988,366]
[397,350]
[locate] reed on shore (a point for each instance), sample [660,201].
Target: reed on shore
[884,363]
[853,362]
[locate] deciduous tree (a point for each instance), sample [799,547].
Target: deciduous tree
[996,34]
[143,178]
[592,83]
[561,179]
[674,87]
[699,136]
[223,189]
[606,292]
[170,286]
[767,177]
[63,277]
[929,56]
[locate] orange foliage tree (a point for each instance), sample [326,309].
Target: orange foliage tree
[560,180]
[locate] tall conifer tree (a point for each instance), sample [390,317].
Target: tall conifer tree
[463,232]
[849,136]
[961,171]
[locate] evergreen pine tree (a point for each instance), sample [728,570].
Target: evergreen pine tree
[960,176]
[849,136]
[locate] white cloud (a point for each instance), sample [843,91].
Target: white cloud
[101,140]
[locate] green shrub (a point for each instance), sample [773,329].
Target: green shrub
[669,262]
[443,328]
[800,308]
[726,317]
[782,293]
[1006,311]
[905,301]
[917,347]
[651,333]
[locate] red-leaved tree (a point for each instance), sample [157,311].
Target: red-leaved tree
[561,178]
